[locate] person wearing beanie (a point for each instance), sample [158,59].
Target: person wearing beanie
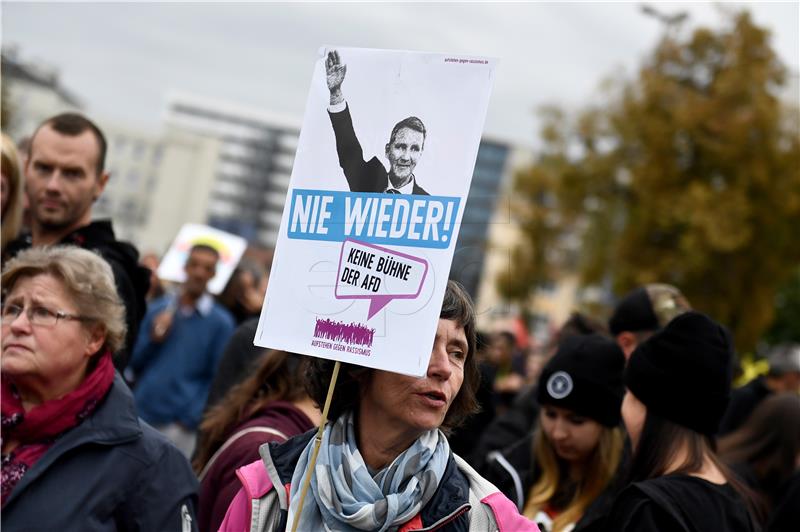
[572,456]
[678,388]
[644,311]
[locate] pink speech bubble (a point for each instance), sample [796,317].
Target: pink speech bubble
[355,278]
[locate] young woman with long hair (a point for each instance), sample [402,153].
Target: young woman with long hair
[765,451]
[269,406]
[569,462]
[678,388]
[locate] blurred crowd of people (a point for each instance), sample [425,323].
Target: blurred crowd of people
[130,404]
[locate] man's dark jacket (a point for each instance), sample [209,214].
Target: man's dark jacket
[132,280]
[111,472]
[236,363]
[362,176]
[506,429]
[743,401]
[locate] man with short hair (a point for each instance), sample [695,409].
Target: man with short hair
[177,352]
[65,175]
[403,150]
[643,312]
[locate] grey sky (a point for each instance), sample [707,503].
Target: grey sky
[121,59]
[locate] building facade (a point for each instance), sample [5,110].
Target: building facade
[253,167]
[33,93]
[492,172]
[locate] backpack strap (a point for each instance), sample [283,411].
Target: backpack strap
[232,439]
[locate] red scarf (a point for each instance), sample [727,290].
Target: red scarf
[37,429]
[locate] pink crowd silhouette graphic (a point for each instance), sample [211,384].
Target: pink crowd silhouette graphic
[350,333]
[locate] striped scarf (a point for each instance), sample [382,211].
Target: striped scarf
[345,496]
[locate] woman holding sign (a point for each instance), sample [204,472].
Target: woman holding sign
[384,462]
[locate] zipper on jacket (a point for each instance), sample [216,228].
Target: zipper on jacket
[461,510]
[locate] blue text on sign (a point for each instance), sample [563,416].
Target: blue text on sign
[397,219]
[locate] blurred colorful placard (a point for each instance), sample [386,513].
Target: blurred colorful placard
[230,247]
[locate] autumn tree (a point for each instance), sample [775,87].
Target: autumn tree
[688,174]
[786,326]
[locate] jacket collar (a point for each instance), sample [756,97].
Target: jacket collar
[449,499]
[281,458]
[96,232]
[114,422]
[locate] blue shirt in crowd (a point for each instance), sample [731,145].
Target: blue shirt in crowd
[173,377]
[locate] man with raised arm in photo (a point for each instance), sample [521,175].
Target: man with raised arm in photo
[403,150]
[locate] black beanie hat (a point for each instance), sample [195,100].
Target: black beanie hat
[647,308]
[585,375]
[683,373]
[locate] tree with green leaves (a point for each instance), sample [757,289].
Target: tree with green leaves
[688,174]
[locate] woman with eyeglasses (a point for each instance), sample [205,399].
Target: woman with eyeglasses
[75,455]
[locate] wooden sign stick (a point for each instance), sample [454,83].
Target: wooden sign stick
[317,443]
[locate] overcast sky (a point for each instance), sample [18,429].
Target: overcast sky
[121,59]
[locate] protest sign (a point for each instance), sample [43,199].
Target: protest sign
[378,189]
[230,248]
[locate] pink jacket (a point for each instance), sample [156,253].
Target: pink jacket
[256,507]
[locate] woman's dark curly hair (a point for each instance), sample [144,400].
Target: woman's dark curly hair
[457,306]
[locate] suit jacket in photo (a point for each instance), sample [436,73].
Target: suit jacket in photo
[362,176]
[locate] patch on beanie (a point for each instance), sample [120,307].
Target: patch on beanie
[559,385]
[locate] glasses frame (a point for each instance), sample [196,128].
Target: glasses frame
[28,310]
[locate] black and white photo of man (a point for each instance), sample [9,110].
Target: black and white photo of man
[405,146]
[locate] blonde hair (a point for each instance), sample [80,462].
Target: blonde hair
[600,469]
[12,217]
[87,278]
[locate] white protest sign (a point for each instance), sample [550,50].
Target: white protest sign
[378,189]
[230,248]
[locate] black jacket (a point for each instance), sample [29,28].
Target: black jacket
[507,429]
[236,362]
[514,472]
[111,472]
[743,401]
[785,516]
[679,503]
[132,280]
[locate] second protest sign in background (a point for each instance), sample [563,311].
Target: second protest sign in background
[379,184]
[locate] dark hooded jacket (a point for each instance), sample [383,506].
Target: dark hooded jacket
[132,280]
[112,472]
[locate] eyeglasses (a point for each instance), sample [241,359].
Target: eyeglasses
[38,315]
